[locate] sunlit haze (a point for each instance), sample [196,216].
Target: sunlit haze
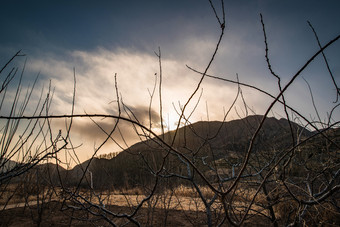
[101,39]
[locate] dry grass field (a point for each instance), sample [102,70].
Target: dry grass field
[179,207]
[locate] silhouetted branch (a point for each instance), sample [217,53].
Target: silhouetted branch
[337,89]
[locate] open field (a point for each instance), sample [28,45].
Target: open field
[167,209]
[178,207]
[54,215]
[181,198]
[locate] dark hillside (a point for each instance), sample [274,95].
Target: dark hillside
[210,141]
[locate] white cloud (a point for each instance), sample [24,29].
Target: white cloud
[136,71]
[135,76]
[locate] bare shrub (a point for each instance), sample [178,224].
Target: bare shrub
[272,172]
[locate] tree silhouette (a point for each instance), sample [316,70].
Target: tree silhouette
[270,171]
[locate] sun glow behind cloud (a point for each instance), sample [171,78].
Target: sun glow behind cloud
[137,76]
[189,38]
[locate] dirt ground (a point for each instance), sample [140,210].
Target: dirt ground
[181,211]
[55,214]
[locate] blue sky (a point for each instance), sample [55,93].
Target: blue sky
[101,38]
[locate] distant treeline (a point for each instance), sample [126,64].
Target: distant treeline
[109,155]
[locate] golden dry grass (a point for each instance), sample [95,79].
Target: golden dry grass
[181,198]
[19,193]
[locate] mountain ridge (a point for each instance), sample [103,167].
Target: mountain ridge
[201,142]
[212,140]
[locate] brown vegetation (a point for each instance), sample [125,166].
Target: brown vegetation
[257,170]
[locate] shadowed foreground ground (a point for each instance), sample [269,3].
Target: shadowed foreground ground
[53,215]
